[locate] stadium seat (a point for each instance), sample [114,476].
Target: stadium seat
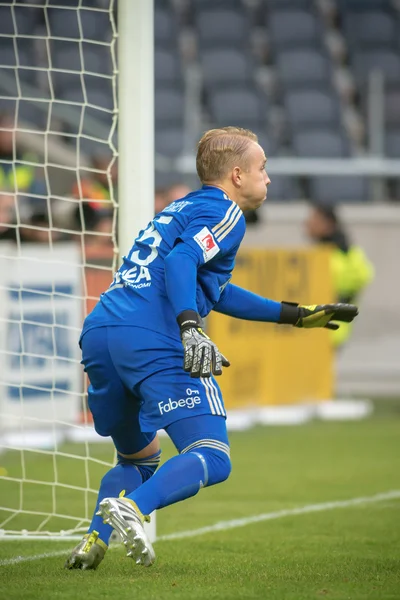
[24,22]
[334,189]
[370,28]
[167,67]
[77,57]
[169,142]
[66,58]
[165,30]
[244,107]
[74,95]
[307,5]
[168,106]
[303,67]
[312,108]
[71,24]
[386,61]
[222,28]
[96,26]
[100,96]
[23,57]
[362,5]
[200,5]
[93,148]
[29,116]
[97,59]
[283,188]
[294,28]
[393,144]
[226,66]
[101,102]
[75,3]
[32,114]
[9,78]
[392,106]
[64,23]
[266,141]
[320,143]
[66,55]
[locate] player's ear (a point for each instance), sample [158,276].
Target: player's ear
[237,176]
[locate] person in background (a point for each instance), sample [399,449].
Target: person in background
[160,200]
[351,269]
[176,191]
[94,215]
[36,229]
[17,175]
[7,218]
[165,195]
[251,217]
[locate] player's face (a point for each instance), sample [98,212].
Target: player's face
[255,179]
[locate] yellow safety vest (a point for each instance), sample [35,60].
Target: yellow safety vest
[352,272]
[17,179]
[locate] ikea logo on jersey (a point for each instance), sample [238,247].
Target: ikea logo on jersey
[207,243]
[136,277]
[190,401]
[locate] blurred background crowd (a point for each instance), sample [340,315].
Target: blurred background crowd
[313,78]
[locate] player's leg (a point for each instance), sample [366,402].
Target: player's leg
[201,440]
[115,413]
[203,460]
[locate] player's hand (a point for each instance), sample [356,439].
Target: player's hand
[318,315]
[201,356]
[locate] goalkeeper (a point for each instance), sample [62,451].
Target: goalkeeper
[149,362]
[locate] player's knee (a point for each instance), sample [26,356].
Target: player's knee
[146,466]
[221,469]
[217,464]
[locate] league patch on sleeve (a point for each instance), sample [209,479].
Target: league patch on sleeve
[207,243]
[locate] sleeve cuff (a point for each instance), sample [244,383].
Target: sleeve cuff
[188,318]
[289,313]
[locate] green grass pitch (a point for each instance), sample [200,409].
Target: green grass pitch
[350,552]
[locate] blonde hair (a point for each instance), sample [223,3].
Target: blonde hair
[219,150]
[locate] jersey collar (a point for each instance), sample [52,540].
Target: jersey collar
[216,192]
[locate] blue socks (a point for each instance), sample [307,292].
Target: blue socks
[183,476]
[202,442]
[203,460]
[179,478]
[125,477]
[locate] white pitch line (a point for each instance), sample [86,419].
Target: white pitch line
[302,510]
[20,559]
[234,523]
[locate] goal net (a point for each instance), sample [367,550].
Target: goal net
[58,208]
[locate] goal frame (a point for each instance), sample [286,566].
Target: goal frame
[135,155]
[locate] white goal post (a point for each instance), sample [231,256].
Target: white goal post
[62,96]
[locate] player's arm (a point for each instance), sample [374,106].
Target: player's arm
[243,304]
[201,356]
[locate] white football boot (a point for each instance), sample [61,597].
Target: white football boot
[88,554]
[125,517]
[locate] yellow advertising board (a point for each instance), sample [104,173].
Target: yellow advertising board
[276,364]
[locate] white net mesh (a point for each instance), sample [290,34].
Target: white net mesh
[58,206]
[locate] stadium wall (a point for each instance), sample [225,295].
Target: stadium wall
[368,365]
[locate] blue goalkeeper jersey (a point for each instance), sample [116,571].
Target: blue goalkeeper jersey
[211,225]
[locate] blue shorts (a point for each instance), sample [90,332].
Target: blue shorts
[137,382]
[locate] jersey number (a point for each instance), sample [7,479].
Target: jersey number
[150,233]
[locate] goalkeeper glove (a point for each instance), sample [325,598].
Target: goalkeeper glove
[201,356]
[318,315]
